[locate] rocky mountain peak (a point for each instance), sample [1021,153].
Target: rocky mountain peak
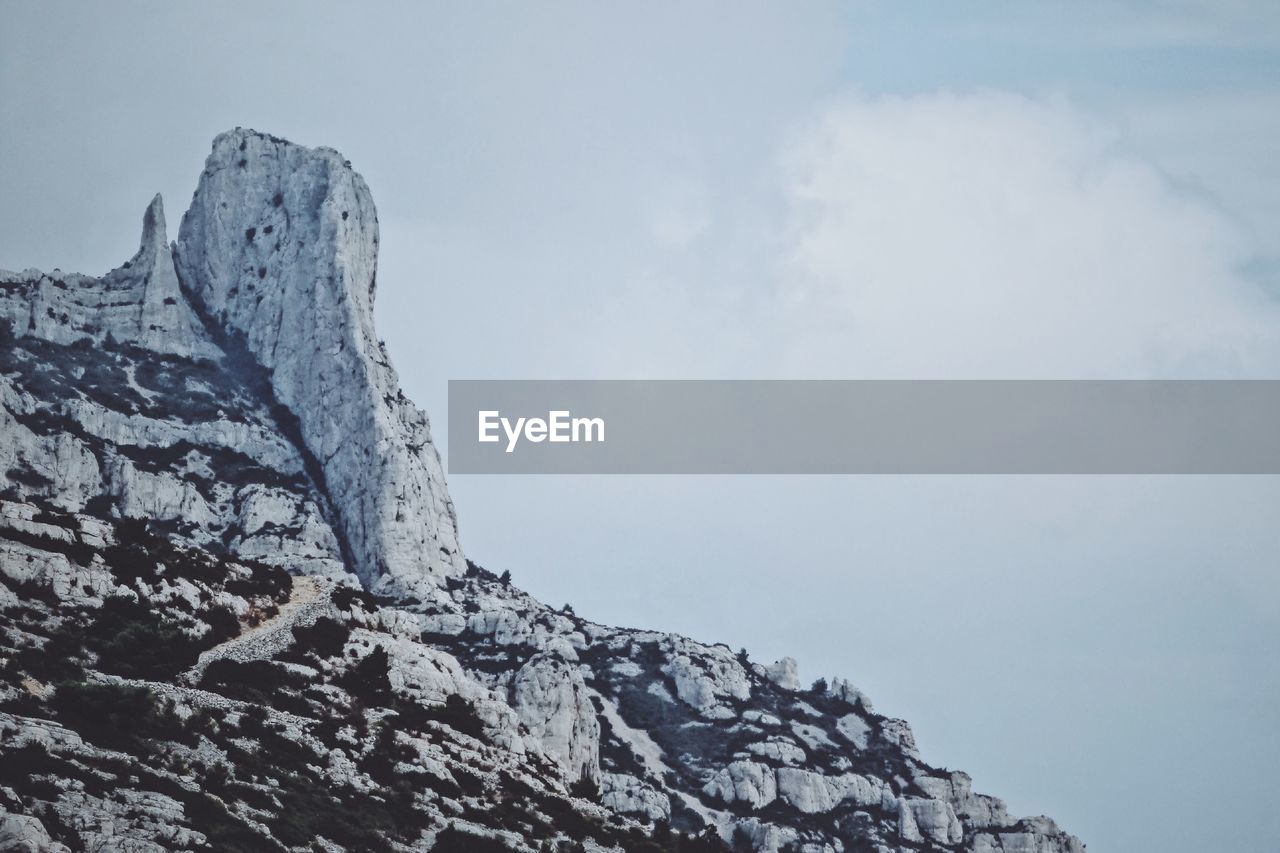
[165,322]
[155,233]
[279,252]
[208,466]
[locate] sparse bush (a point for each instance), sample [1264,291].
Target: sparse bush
[325,639]
[585,788]
[345,596]
[258,681]
[118,715]
[57,659]
[265,580]
[134,641]
[461,715]
[223,625]
[369,680]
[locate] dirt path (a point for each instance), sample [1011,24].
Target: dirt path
[309,599]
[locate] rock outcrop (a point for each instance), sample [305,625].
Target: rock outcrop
[279,249]
[236,615]
[139,302]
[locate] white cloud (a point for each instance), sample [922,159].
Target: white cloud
[992,235]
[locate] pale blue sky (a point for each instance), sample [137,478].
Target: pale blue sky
[884,189]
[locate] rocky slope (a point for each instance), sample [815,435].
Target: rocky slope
[236,616]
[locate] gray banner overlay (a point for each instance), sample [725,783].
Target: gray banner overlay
[864,427]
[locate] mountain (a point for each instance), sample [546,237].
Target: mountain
[236,615]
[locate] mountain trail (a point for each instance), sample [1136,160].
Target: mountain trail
[308,601]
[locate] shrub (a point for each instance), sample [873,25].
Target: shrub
[100,506]
[57,659]
[585,788]
[132,557]
[265,580]
[475,570]
[30,477]
[132,640]
[460,715]
[381,760]
[325,638]
[223,625]
[257,681]
[369,680]
[345,596]
[117,715]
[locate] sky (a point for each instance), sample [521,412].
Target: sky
[865,190]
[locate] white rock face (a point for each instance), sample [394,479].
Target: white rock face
[62,459]
[280,246]
[553,703]
[744,781]
[928,820]
[25,834]
[842,689]
[814,793]
[628,795]
[977,810]
[138,302]
[1041,835]
[109,416]
[780,750]
[703,675]
[784,673]
[899,733]
[855,728]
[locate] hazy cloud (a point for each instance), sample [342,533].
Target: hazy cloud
[991,235]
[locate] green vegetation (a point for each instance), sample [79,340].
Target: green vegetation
[261,682]
[134,641]
[369,680]
[325,639]
[122,717]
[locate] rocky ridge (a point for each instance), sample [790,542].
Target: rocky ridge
[226,531]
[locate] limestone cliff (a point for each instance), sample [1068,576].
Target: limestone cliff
[279,249]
